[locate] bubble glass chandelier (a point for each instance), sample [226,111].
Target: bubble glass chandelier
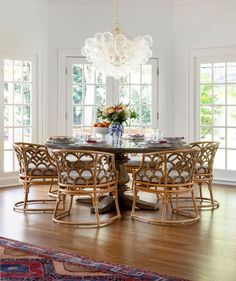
[115,54]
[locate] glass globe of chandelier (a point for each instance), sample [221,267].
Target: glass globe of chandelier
[115,54]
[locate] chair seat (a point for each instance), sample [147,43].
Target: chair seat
[42,169]
[158,177]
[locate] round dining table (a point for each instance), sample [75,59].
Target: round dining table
[121,152]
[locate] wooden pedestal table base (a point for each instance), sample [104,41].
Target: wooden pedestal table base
[125,200]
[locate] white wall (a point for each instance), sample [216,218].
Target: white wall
[197,24]
[23,29]
[23,23]
[72,21]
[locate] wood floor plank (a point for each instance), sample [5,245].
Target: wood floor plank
[204,251]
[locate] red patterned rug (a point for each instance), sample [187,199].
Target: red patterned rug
[23,261]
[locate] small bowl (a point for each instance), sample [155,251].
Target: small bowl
[101,130]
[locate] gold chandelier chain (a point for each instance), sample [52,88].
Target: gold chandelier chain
[117,13]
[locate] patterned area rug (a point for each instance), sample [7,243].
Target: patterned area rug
[23,261]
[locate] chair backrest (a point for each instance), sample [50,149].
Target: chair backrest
[85,168]
[206,157]
[167,168]
[34,160]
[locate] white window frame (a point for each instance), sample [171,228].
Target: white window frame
[162,82]
[213,55]
[35,56]
[112,86]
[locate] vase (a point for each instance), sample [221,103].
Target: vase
[116,131]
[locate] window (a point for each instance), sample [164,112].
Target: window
[87,90]
[216,108]
[18,107]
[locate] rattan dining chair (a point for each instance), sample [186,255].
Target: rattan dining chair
[204,173]
[36,167]
[85,173]
[169,175]
[133,163]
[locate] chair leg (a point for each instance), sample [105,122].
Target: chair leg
[209,184]
[135,194]
[95,205]
[164,207]
[194,203]
[117,204]
[200,190]
[26,191]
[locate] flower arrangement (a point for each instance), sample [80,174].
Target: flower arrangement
[116,114]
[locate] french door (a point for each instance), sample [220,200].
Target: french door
[216,110]
[17,108]
[87,90]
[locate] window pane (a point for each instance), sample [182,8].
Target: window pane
[231,72]
[135,77]
[231,94]
[17,93]
[8,95]
[77,94]
[26,93]
[89,116]
[77,115]
[135,95]
[8,138]
[231,118]
[219,135]
[8,161]
[124,94]
[219,115]
[8,115]
[231,156]
[8,70]
[219,94]
[219,72]
[77,73]
[205,133]
[231,142]
[219,162]
[17,115]
[146,115]
[206,94]
[17,70]
[100,95]
[16,163]
[89,95]
[18,135]
[27,71]
[27,115]
[100,78]
[206,115]
[88,73]
[138,111]
[146,94]
[27,131]
[147,74]
[206,73]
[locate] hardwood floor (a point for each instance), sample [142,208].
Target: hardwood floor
[204,251]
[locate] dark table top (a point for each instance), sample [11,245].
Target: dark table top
[126,146]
